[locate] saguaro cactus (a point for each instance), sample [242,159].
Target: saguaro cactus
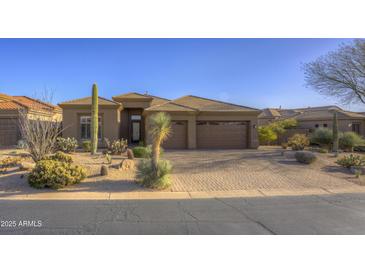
[94,120]
[335,133]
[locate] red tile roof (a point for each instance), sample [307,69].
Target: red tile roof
[8,102]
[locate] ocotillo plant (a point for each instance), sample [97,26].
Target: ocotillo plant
[335,133]
[94,120]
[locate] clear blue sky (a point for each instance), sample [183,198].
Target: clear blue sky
[254,72]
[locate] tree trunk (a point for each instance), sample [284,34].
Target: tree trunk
[335,134]
[156,153]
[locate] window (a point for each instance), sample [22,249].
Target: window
[316,126]
[356,128]
[85,124]
[136,117]
[324,125]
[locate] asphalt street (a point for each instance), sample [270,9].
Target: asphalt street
[312,214]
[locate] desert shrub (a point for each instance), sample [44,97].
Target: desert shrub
[322,137]
[60,156]
[270,132]
[305,157]
[323,150]
[266,135]
[145,152]
[284,145]
[86,146]
[348,140]
[140,152]
[66,145]
[147,176]
[298,141]
[351,160]
[117,146]
[130,154]
[55,174]
[9,162]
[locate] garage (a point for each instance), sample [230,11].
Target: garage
[222,134]
[178,136]
[8,131]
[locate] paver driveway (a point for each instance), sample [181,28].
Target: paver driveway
[221,170]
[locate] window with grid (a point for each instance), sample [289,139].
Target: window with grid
[85,124]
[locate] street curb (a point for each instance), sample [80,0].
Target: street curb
[160,195]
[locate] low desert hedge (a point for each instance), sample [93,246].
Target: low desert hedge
[305,157]
[298,141]
[55,174]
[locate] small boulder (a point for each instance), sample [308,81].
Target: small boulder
[26,166]
[104,170]
[126,164]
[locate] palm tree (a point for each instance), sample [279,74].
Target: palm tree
[160,129]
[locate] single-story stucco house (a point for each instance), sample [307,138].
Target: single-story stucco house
[311,118]
[9,114]
[196,122]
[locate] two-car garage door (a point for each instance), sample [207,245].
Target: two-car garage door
[221,134]
[209,134]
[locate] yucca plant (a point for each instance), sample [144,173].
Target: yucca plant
[153,172]
[94,120]
[160,129]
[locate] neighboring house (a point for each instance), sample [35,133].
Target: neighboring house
[9,113]
[311,118]
[196,122]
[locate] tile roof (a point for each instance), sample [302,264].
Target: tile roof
[203,104]
[87,101]
[8,102]
[131,95]
[311,113]
[170,106]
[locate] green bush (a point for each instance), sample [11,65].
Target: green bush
[86,146]
[298,142]
[305,157]
[144,152]
[323,150]
[351,160]
[66,144]
[147,177]
[55,174]
[140,152]
[322,137]
[60,156]
[348,140]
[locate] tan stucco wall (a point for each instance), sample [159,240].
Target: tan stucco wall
[343,124]
[110,122]
[192,118]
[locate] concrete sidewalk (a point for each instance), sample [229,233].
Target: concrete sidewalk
[151,195]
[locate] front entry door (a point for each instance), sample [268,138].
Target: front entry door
[136,131]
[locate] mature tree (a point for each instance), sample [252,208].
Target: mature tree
[39,134]
[340,73]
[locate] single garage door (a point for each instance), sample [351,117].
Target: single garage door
[178,136]
[221,134]
[8,131]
